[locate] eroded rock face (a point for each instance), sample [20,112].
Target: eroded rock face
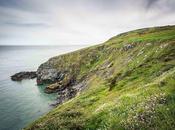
[60,85]
[48,76]
[23,75]
[53,88]
[69,92]
[59,81]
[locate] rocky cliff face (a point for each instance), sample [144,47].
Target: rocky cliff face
[55,79]
[47,75]
[67,70]
[61,80]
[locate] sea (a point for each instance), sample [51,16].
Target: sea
[23,102]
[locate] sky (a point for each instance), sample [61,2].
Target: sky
[78,22]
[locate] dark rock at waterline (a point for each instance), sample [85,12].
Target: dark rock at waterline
[53,88]
[60,85]
[24,75]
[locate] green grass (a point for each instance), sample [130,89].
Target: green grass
[126,89]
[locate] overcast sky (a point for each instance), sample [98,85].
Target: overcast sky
[65,22]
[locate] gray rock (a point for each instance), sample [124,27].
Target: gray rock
[69,92]
[47,75]
[23,75]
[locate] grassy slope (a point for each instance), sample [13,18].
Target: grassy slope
[128,87]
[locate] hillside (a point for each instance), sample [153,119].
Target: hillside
[128,82]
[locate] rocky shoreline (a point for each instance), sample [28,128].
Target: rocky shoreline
[60,82]
[24,75]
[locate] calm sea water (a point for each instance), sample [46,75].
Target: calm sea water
[23,102]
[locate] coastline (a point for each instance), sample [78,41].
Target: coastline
[95,77]
[23,102]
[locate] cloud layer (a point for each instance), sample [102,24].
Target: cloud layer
[68,22]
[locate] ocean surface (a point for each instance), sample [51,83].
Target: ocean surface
[23,102]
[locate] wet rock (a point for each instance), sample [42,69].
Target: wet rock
[23,75]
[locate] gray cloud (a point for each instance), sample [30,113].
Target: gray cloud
[78,21]
[150,3]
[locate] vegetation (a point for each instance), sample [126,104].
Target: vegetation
[130,84]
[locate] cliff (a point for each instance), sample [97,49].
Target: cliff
[128,82]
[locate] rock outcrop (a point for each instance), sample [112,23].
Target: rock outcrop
[23,75]
[59,80]
[60,85]
[67,93]
[47,76]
